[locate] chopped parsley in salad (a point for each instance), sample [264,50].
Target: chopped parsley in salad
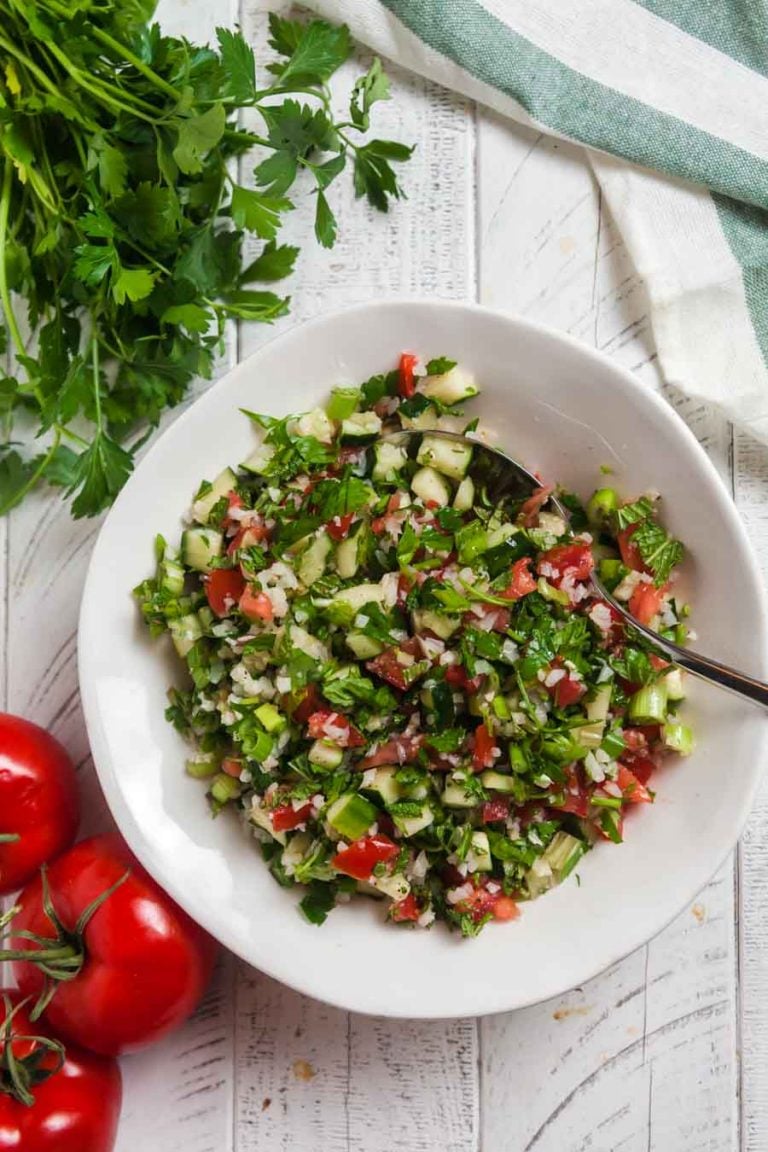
[408,692]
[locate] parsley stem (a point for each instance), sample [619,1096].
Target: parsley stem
[17,496]
[122,51]
[5,295]
[96,381]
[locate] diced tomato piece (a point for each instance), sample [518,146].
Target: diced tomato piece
[223,588]
[399,750]
[362,856]
[505,908]
[348,736]
[575,795]
[247,536]
[406,382]
[483,755]
[567,690]
[521,582]
[495,810]
[533,505]
[634,792]
[407,909]
[641,765]
[234,501]
[309,703]
[630,553]
[566,560]
[638,738]
[256,605]
[338,528]
[403,588]
[287,817]
[388,667]
[379,525]
[393,504]
[645,602]
[231,767]
[456,675]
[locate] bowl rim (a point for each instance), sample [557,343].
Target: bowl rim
[107,776]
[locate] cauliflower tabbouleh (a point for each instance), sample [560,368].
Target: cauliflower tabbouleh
[410,693]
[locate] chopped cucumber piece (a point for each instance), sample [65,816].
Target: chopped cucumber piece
[315,424]
[184,630]
[224,483]
[555,595]
[389,460]
[675,684]
[410,825]
[678,737]
[455,795]
[589,735]
[557,861]
[497,781]
[385,785]
[396,887]
[259,460]
[551,523]
[362,428]
[200,547]
[170,574]
[601,506]
[362,646]
[352,815]
[431,487]
[425,620]
[271,718]
[451,388]
[343,403]
[260,817]
[481,850]
[599,706]
[649,705]
[359,595]
[326,754]
[295,850]
[464,499]
[422,421]
[351,551]
[312,563]
[445,456]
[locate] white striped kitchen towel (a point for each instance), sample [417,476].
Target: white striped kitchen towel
[671,99]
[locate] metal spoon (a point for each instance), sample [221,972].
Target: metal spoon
[504,481]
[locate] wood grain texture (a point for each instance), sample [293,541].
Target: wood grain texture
[643,1057]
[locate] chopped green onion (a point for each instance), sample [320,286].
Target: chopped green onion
[649,705]
[201,769]
[679,738]
[225,788]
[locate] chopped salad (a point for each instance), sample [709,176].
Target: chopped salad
[407,691]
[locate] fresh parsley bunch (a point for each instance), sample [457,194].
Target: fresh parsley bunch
[122,226]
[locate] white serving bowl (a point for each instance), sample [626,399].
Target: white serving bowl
[562,409]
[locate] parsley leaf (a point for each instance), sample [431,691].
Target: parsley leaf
[366,92]
[660,552]
[318,902]
[439,366]
[631,513]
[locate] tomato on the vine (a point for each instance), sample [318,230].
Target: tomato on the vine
[143,963]
[39,805]
[51,1100]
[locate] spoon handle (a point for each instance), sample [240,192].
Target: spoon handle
[721,674]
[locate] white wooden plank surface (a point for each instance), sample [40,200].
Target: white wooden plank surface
[645,1057]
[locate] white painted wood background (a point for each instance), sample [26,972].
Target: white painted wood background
[666,1052]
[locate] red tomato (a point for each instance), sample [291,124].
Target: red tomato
[256,605]
[348,737]
[645,602]
[39,804]
[246,537]
[483,754]
[360,859]
[338,528]
[75,1109]
[456,676]
[576,797]
[287,817]
[310,702]
[521,582]
[494,810]
[407,909]
[388,667]
[572,560]
[630,553]
[399,750]
[406,383]
[224,587]
[634,792]
[505,909]
[639,738]
[231,767]
[641,765]
[567,690]
[145,962]
[379,525]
